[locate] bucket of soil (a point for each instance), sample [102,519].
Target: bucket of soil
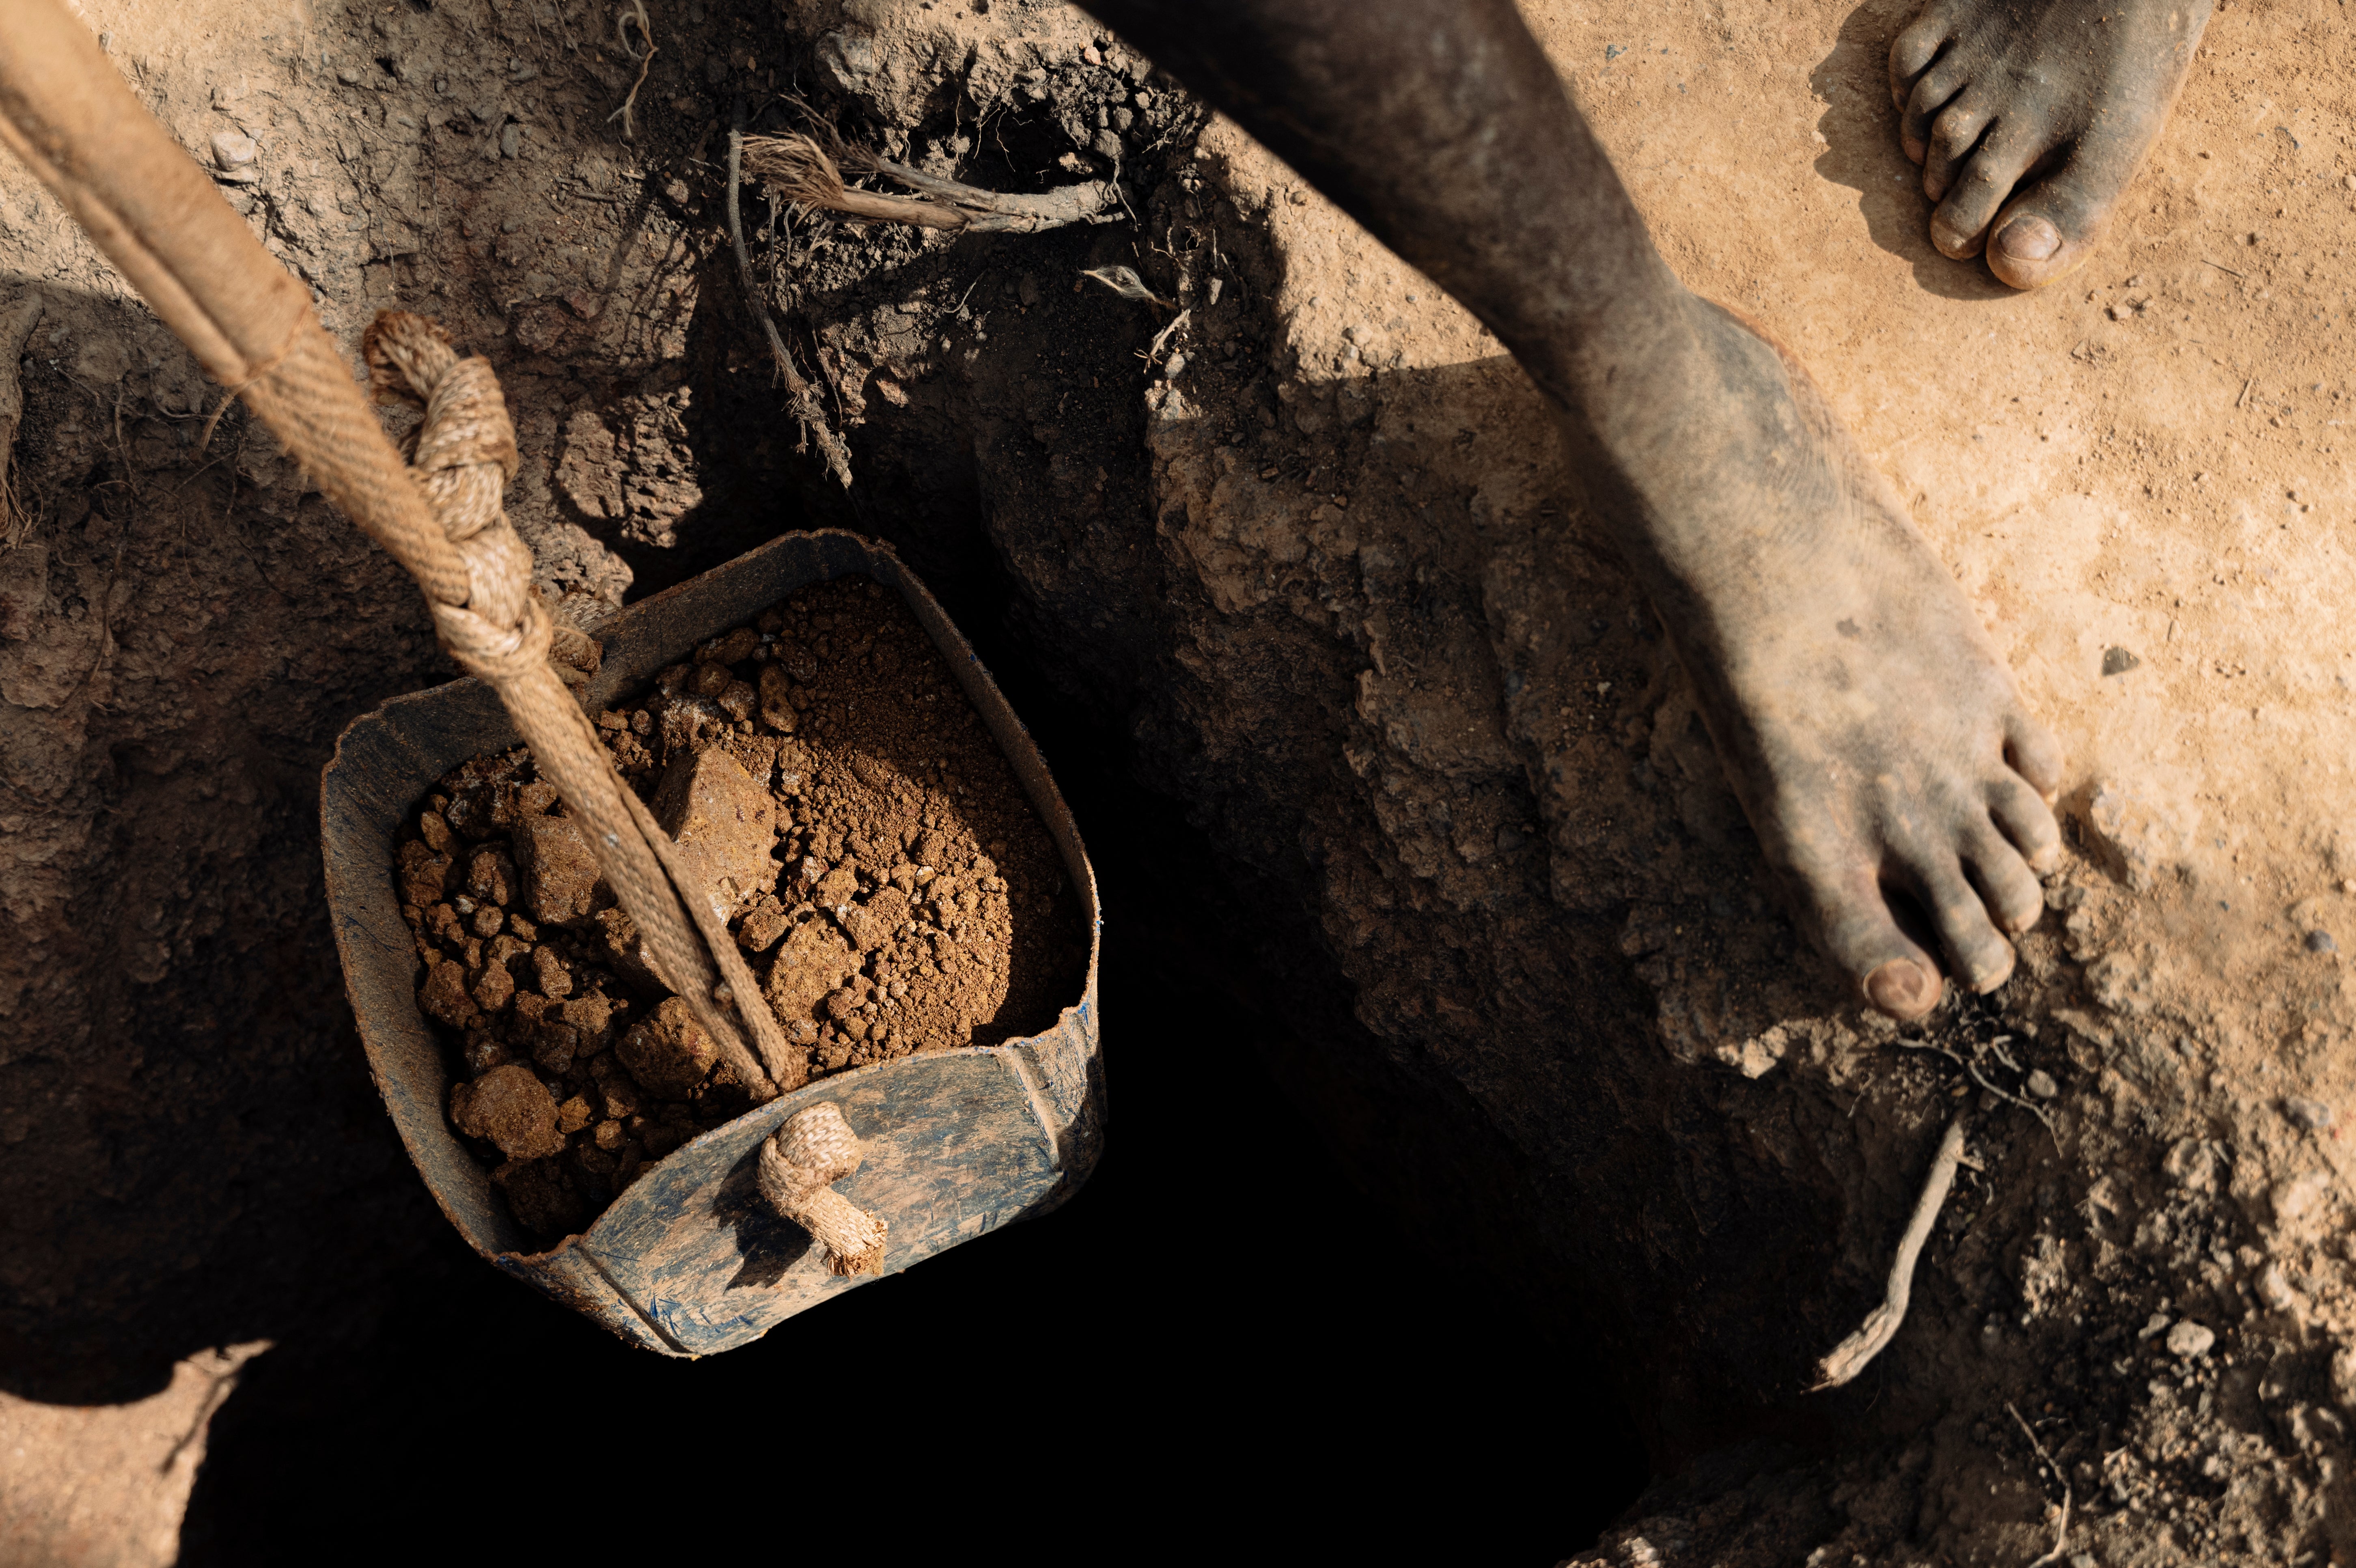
[887,849]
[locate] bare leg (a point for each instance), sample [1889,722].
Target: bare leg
[2029,116]
[1873,735]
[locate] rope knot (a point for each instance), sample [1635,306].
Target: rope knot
[798,1166]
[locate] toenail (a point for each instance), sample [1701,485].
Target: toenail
[1900,989]
[2028,240]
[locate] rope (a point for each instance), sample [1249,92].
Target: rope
[502,633]
[799,1164]
[67,115]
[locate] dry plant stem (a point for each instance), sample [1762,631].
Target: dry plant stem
[801,170]
[799,395]
[999,210]
[2062,1529]
[66,113]
[884,208]
[1852,1355]
[2009,1098]
[1153,349]
[2031,1106]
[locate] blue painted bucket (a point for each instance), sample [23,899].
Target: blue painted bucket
[689,1260]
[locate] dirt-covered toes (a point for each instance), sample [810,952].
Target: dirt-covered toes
[1853,922]
[1958,870]
[2030,116]
[1895,779]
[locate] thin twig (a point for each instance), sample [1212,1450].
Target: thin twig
[1153,350]
[2061,1530]
[1852,1355]
[2220,266]
[2030,1106]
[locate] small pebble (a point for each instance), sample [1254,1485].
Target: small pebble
[2297,1197]
[1174,366]
[350,75]
[233,150]
[2320,942]
[2041,1085]
[511,142]
[2313,1115]
[2190,1338]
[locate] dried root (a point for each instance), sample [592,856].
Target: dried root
[1851,1355]
[2062,1527]
[1124,282]
[801,396]
[636,15]
[804,170]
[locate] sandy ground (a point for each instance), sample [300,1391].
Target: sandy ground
[104,1487]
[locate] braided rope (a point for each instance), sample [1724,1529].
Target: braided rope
[502,633]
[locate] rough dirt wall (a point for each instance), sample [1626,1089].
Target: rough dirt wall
[184,627]
[1315,558]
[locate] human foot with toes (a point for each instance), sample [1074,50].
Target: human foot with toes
[1866,720]
[2030,117]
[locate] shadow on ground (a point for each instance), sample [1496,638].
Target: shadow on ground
[1131,1357]
[223,1173]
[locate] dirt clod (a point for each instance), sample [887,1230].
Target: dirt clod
[512,1108]
[667,1051]
[712,808]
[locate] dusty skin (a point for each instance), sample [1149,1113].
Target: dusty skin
[1867,725]
[2030,116]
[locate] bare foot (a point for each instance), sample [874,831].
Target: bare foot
[2029,116]
[1865,718]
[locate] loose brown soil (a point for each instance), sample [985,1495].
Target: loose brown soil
[885,873]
